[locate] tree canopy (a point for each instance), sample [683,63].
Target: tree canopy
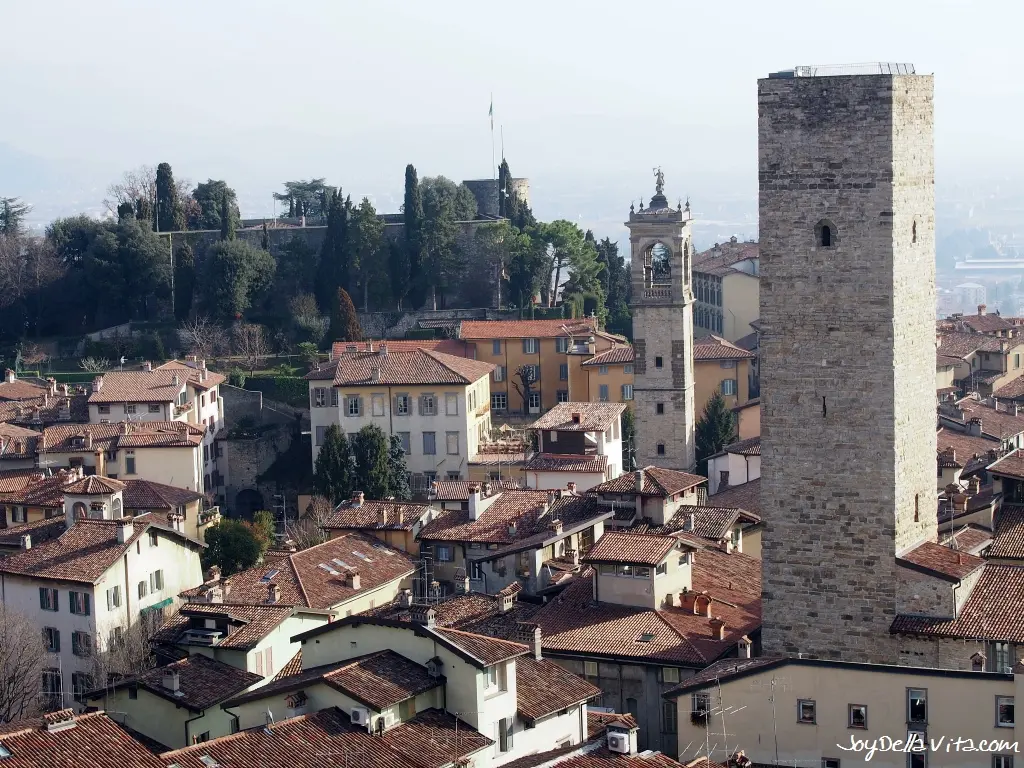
[716,428]
[233,546]
[236,276]
[209,198]
[333,473]
[344,321]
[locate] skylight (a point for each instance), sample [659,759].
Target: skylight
[207,760]
[327,568]
[270,574]
[4,751]
[646,637]
[342,563]
[360,554]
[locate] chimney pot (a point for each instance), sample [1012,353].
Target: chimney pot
[147,366]
[405,598]
[273,593]
[717,628]
[125,531]
[26,541]
[9,376]
[171,680]
[357,499]
[982,309]
[352,580]
[97,384]
[689,521]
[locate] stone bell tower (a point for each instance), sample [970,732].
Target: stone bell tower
[662,306]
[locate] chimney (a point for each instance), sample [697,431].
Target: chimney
[171,680]
[382,516]
[573,556]
[273,593]
[689,521]
[463,585]
[51,384]
[1016,408]
[702,605]
[571,488]
[352,578]
[506,603]
[383,349]
[101,462]
[974,485]
[556,526]
[9,376]
[474,501]
[577,418]
[147,367]
[529,634]
[59,721]
[97,384]
[213,573]
[202,365]
[64,389]
[512,528]
[978,662]
[369,346]
[225,587]
[743,647]
[125,529]
[959,503]
[974,427]
[357,499]
[485,487]
[725,545]
[375,374]
[982,309]
[423,614]
[26,541]
[405,598]
[717,628]
[175,380]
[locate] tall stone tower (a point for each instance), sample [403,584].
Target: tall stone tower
[662,306]
[847,208]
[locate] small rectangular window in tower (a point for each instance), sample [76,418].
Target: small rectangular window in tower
[659,408]
[658,362]
[661,449]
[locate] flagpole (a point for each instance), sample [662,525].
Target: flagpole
[494,170]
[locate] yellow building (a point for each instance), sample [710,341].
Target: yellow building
[726,289]
[609,376]
[555,350]
[720,366]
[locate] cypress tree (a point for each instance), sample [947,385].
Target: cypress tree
[344,322]
[335,267]
[227,221]
[184,281]
[170,216]
[372,451]
[398,475]
[265,237]
[412,210]
[398,271]
[333,472]
[716,428]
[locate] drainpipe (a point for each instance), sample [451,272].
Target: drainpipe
[188,740]
[238,720]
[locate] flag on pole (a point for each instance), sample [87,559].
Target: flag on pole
[490,112]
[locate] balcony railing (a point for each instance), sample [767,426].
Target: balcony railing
[183,408]
[209,516]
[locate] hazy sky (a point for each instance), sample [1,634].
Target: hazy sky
[591,94]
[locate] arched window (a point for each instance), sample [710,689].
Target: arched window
[116,508]
[825,234]
[913,232]
[79,510]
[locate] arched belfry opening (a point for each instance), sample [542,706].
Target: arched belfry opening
[658,266]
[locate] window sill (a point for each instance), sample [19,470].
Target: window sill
[806,722]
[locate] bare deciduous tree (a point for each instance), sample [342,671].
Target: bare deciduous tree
[306,532]
[251,343]
[22,657]
[26,265]
[127,655]
[527,375]
[200,337]
[94,364]
[33,354]
[140,184]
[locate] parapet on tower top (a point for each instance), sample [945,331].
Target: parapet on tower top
[841,70]
[659,206]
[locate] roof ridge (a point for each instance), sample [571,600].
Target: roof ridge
[298,578]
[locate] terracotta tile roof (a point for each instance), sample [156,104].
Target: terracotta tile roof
[494,459]
[83,553]
[94,485]
[947,361]
[938,560]
[525,329]
[61,438]
[526,509]
[19,389]
[139,387]
[13,431]
[293,667]
[972,539]
[194,373]
[378,680]
[618,355]
[573,624]
[376,516]
[95,741]
[750,342]
[14,480]
[719,259]
[489,650]
[40,531]
[430,740]
[303,582]
[713,347]
[960,344]
[1011,465]
[653,481]
[987,323]
[202,682]
[248,624]
[580,417]
[746,496]
[567,462]
[145,494]
[46,410]
[416,367]
[1001,417]
[994,610]
[447,346]
[473,612]
[1012,390]
[598,721]
[636,548]
[711,523]
[43,492]
[964,447]
[723,670]
[544,687]
[749,447]
[574,512]
[458,490]
[1008,539]
[602,757]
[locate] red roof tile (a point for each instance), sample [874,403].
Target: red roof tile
[598,721]
[447,346]
[746,496]
[417,367]
[145,494]
[376,516]
[305,583]
[94,485]
[567,462]
[1012,390]
[156,386]
[959,344]
[15,480]
[95,741]
[489,650]
[40,531]
[602,757]
[941,561]
[653,481]
[621,354]
[1011,465]
[580,417]
[749,447]
[525,329]
[987,323]
[544,687]
[635,548]
[19,389]
[716,348]
[998,421]
[458,490]
[719,259]
[248,624]
[62,438]
[1008,539]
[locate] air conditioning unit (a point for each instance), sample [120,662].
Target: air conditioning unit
[360,716]
[618,742]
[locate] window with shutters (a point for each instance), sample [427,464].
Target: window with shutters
[505,731]
[81,644]
[259,662]
[268,660]
[563,371]
[530,346]
[113,598]
[499,373]
[602,370]
[562,396]
[562,344]
[156,581]
[628,368]
[669,717]
[352,405]
[48,599]
[405,437]
[452,443]
[429,443]
[80,603]
[499,401]
[603,393]
[451,404]
[319,397]
[534,400]
[51,639]
[154,539]
[334,398]
[729,387]
[496,347]
[428,404]
[143,589]
[129,462]
[627,391]
[403,405]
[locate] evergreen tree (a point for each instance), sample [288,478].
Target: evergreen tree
[12,214]
[125,211]
[208,197]
[716,428]
[144,212]
[227,221]
[265,237]
[504,183]
[344,321]
[170,216]
[333,473]
[398,271]
[366,237]
[372,451]
[233,546]
[412,211]
[614,279]
[335,269]
[628,440]
[441,212]
[236,274]
[398,474]
[184,281]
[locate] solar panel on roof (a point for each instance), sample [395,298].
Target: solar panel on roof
[327,568]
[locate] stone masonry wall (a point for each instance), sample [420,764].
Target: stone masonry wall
[848,432]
